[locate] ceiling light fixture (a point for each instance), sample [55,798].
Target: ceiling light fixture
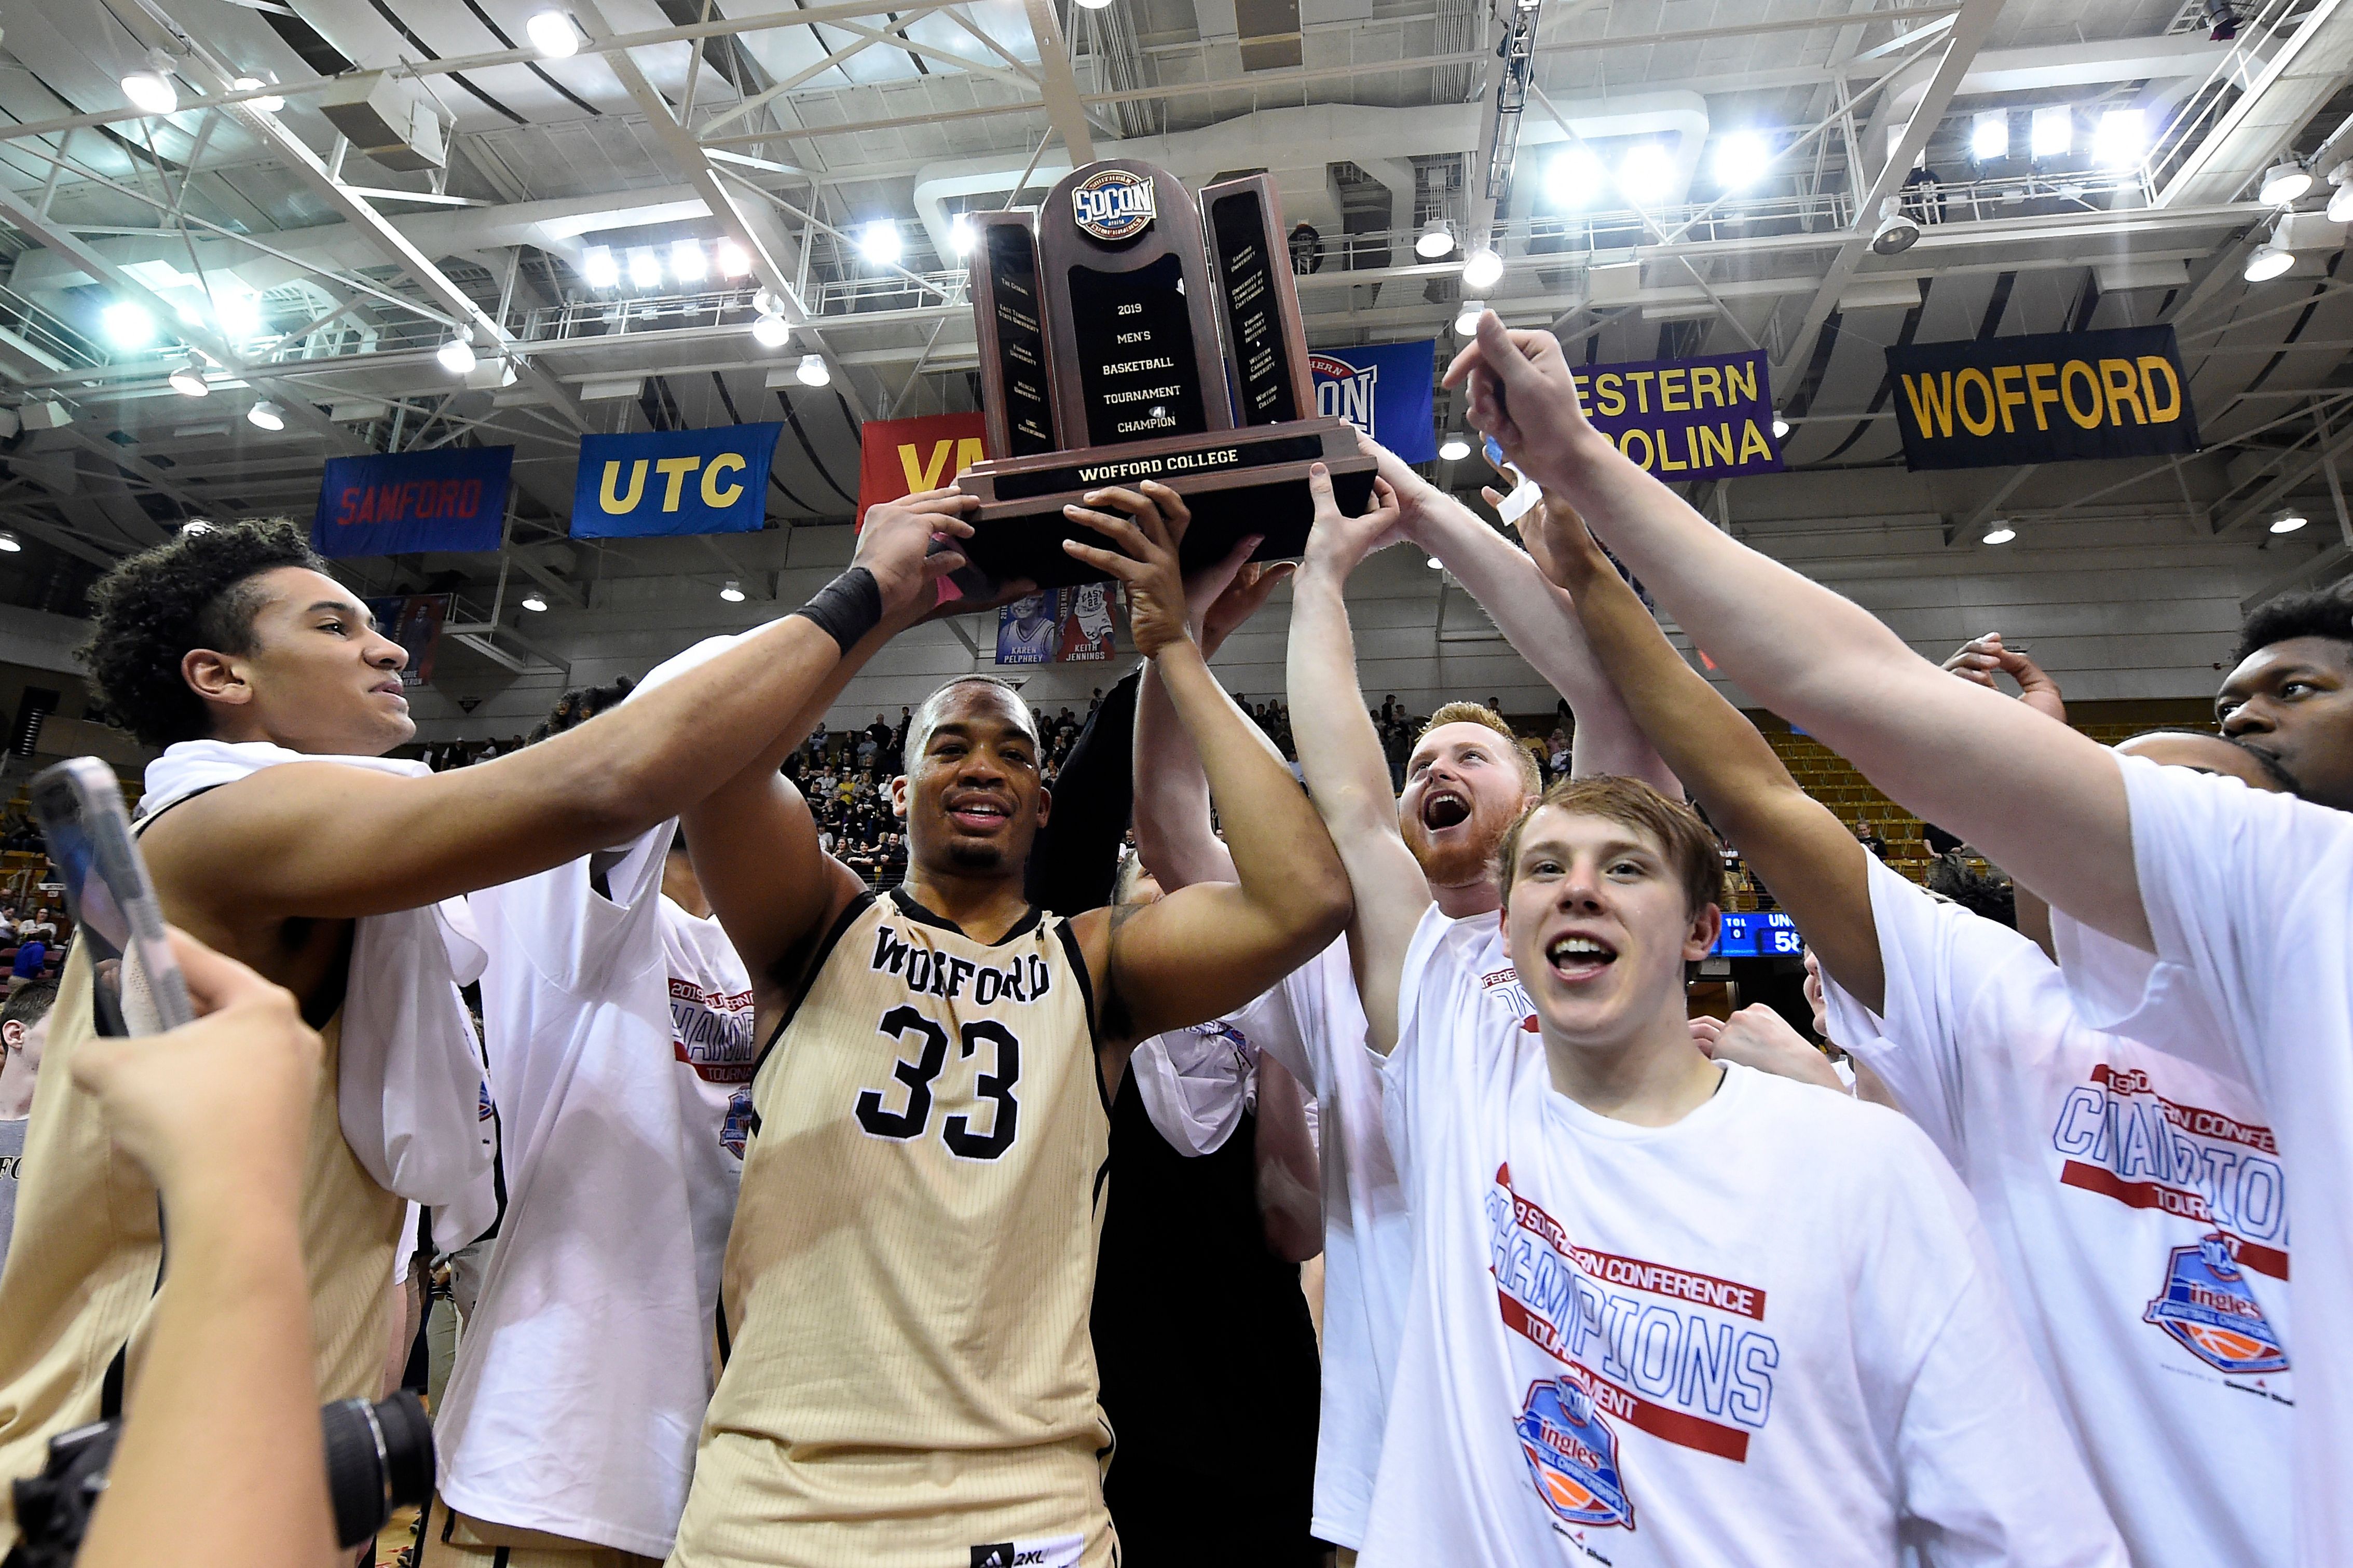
[196,525]
[962,236]
[553,35]
[1483,268]
[733,592]
[1454,450]
[2053,132]
[2267,261]
[734,261]
[1741,160]
[2001,533]
[127,326]
[2283,182]
[2120,139]
[1435,564]
[878,243]
[2340,204]
[188,381]
[598,268]
[1466,320]
[2288,521]
[1096,4]
[1436,240]
[1647,174]
[2221,22]
[687,262]
[1989,136]
[457,356]
[268,103]
[645,268]
[265,416]
[813,371]
[1780,426]
[150,93]
[770,330]
[1575,178]
[1896,233]
[9,542]
[533,603]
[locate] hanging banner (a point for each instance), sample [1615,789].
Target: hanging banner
[1384,390]
[898,456]
[2049,397]
[1089,618]
[414,621]
[1029,629]
[454,499]
[673,481]
[1686,419]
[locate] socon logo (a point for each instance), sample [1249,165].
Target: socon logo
[1113,204]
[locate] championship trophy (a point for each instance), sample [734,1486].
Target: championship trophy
[1106,326]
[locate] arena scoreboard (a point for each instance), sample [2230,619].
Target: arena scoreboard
[1765,935]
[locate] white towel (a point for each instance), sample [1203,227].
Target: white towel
[411,1086]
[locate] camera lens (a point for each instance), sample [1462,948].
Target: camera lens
[379,1457]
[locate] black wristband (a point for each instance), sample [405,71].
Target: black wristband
[847,609]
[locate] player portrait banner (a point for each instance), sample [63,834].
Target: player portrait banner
[900,456]
[1089,619]
[1708,418]
[454,499]
[1030,629]
[2048,397]
[673,481]
[1383,390]
[415,622]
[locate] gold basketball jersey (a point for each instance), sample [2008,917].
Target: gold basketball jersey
[81,1271]
[910,1378]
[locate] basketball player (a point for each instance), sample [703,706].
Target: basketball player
[1467,779]
[286,839]
[905,1296]
[566,1434]
[2244,899]
[1634,1331]
[2103,1195]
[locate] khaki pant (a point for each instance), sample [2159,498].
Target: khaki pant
[459,1542]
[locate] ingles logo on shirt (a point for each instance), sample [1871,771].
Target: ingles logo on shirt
[1573,1455]
[2207,1306]
[1113,205]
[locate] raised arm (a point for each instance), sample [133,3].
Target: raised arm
[1340,755]
[1535,617]
[2041,800]
[1792,841]
[1205,950]
[335,842]
[1173,836]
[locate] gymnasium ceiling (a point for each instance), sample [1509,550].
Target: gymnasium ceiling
[322,277]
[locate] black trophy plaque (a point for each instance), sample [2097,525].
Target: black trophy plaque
[1140,314]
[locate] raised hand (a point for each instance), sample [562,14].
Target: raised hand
[1337,543]
[1148,536]
[1979,659]
[1416,496]
[895,543]
[1756,1036]
[1522,393]
[1242,597]
[1557,540]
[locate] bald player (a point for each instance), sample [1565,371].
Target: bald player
[905,1296]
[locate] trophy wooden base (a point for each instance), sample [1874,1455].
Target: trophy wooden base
[1236,483]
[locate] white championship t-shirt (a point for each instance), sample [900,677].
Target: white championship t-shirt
[2250,898]
[1770,1335]
[2140,1211]
[582,1376]
[713,1053]
[1313,1024]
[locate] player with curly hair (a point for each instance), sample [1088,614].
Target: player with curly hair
[277,832]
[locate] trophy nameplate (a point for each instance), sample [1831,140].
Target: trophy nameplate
[1140,310]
